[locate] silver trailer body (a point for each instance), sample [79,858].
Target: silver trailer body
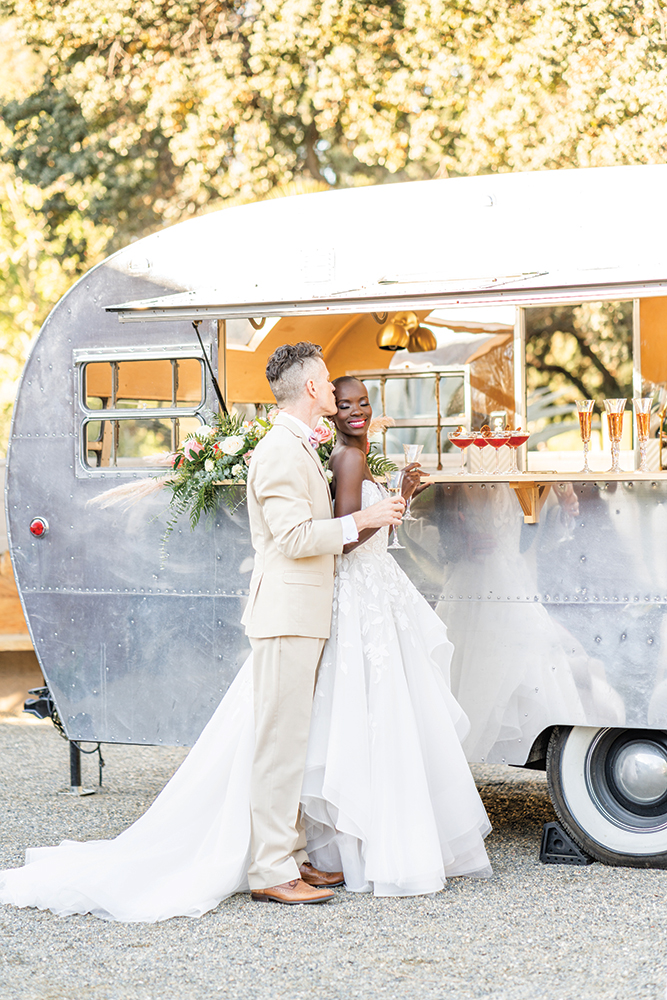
[556,624]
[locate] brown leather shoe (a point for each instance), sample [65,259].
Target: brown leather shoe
[314,877]
[292,893]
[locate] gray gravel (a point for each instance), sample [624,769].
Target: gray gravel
[534,931]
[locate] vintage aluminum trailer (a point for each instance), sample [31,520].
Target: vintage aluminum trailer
[557,614]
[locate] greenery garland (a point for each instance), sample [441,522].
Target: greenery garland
[212,465]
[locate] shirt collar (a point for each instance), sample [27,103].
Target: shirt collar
[300,424]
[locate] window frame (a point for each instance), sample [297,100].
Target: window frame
[437,423]
[85,415]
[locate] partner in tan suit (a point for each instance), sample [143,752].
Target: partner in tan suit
[288,616]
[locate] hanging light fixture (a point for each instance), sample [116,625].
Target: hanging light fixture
[404,331]
[408,320]
[422,339]
[392,337]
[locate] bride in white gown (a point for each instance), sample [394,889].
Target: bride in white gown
[387,797]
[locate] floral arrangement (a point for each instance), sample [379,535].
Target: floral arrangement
[212,464]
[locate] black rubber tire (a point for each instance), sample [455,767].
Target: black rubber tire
[599,823]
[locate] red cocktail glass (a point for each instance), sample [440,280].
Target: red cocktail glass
[462,440]
[481,441]
[516,439]
[497,440]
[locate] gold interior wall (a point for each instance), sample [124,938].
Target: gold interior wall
[653,339]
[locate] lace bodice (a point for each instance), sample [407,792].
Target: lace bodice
[377,544]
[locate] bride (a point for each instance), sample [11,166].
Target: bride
[387,794]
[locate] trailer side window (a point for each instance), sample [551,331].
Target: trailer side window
[136,409]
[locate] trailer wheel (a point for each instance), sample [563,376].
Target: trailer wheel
[609,790]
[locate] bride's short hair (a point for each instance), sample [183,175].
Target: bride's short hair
[289,368]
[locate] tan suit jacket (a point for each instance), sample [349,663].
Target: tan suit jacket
[294,535]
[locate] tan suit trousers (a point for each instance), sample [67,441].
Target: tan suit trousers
[284,673]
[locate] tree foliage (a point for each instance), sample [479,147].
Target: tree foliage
[148,110]
[581,352]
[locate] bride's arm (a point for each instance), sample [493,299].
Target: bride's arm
[349,467]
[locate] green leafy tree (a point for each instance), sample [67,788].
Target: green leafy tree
[149,110]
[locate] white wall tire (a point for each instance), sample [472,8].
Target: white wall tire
[609,790]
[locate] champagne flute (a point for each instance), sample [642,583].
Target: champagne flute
[585,412]
[412,453]
[614,408]
[643,417]
[394,482]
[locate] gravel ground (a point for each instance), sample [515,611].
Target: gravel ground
[534,931]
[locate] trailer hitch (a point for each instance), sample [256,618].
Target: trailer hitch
[42,706]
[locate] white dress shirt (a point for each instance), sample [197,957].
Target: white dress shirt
[348,524]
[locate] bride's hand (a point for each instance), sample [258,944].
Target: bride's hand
[411,480]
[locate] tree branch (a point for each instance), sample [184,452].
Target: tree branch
[312,162]
[559,370]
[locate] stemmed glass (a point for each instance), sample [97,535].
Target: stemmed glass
[412,453]
[497,440]
[585,412]
[643,417]
[394,482]
[516,439]
[480,441]
[462,440]
[615,408]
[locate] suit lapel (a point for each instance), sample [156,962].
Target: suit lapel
[314,457]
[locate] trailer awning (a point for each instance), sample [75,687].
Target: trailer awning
[536,288]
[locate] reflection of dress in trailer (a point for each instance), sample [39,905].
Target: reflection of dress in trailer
[515,669]
[387,790]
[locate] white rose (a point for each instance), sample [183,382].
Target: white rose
[209,465]
[329,474]
[205,430]
[232,445]
[238,470]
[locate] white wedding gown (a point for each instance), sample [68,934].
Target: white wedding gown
[388,795]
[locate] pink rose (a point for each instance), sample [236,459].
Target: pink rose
[248,455]
[322,433]
[191,449]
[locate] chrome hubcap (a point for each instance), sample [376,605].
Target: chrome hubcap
[640,772]
[626,775]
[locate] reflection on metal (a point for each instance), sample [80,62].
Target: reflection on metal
[640,771]
[558,623]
